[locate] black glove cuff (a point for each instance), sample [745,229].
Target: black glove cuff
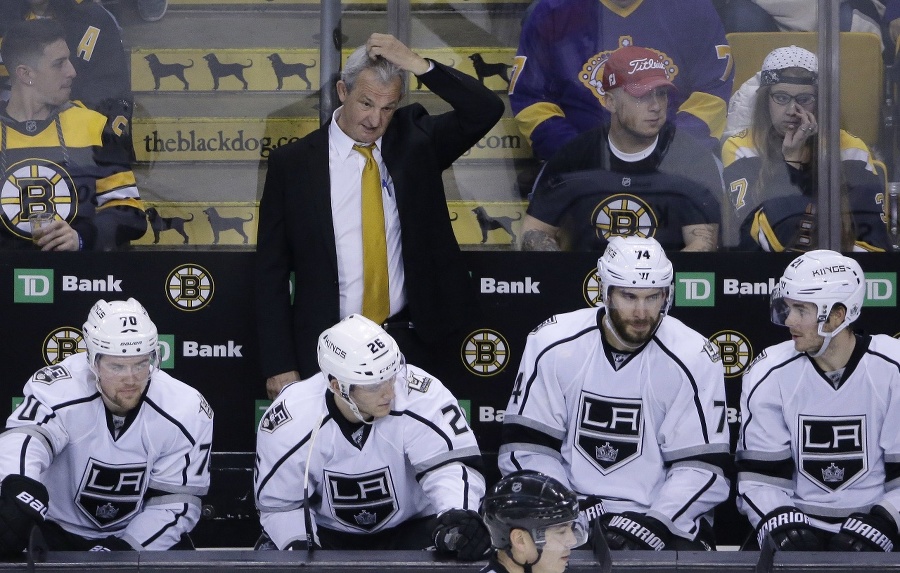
[592,507]
[462,533]
[781,518]
[790,530]
[872,531]
[890,525]
[29,495]
[647,532]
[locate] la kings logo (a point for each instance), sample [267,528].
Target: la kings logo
[610,431]
[276,417]
[362,502]
[110,494]
[833,451]
[50,374]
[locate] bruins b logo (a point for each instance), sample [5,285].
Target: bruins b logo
[36,186]
[623,215]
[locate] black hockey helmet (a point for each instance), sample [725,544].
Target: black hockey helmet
[527,500]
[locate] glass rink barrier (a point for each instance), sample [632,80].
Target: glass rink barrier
[211,88]
[769,131]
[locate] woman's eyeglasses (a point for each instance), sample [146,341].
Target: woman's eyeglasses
[803,100]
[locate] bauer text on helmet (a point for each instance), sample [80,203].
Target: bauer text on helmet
[119,328]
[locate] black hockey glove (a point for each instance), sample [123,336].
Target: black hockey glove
[462,532]
[790,530]
[23,504]
[592,508]
[111,543]
[634,531]
[873,531]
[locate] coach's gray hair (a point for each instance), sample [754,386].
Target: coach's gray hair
[384,70]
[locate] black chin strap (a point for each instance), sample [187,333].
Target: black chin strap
[526,567]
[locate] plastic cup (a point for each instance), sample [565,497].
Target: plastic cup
[37,222]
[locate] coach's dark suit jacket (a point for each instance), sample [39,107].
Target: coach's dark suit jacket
[296,226]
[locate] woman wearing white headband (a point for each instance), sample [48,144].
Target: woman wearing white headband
[770,168]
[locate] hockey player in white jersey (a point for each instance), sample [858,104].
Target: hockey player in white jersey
[106,452]
[626,406]
[370,453]
[534,522]
[818,455]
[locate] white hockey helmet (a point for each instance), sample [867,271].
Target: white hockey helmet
[824,278]
[356,351]
[635,262]
[120,328]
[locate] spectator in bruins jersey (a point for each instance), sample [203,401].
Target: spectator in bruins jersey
[624,405]
[770,168]
[555,86]
[370,453]
[103,81]
[84,173]
[106,452]
[638,175]
[818,455]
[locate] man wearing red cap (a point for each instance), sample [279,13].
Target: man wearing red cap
[555,87]
[638,175]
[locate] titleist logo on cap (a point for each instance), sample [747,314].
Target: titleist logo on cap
[643,64]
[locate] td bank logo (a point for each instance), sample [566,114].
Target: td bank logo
[881,289]
[33,286]
[166,351]
[695,289]
[466,407]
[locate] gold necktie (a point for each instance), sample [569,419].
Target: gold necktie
[376,294]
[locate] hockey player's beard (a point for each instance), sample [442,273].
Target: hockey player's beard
[621,330]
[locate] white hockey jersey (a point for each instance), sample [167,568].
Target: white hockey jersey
[143,485]
[419,460]
[828,451]
[644,431]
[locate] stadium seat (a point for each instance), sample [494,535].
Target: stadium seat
[861,73]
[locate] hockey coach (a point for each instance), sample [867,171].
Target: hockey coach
[106,452]
[371,453]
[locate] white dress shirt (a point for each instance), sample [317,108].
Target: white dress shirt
[345,166]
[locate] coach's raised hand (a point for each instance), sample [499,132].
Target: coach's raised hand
[396,52]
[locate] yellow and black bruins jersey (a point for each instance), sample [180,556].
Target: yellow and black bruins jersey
[71,164]
[778,214]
